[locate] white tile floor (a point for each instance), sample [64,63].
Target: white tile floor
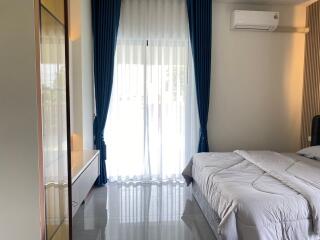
[141,212]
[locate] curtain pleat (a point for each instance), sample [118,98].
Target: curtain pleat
[311,88]
[200,25]
[105,20]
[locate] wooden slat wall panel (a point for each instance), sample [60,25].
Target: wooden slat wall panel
[311,89]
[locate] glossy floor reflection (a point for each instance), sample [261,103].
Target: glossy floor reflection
[130,211]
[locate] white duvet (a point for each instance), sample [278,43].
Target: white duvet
[260,194]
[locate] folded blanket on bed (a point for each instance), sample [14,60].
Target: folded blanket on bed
[265,193]
[277,165]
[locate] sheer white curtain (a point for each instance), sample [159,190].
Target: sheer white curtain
[152,126]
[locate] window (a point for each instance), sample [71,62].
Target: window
[150,130]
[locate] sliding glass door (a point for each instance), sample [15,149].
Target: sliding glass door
[151,129]
[54,118]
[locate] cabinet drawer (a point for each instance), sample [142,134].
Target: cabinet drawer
[82,186]
[75,198]
[87,179]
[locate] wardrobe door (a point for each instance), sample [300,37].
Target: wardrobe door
[55,118]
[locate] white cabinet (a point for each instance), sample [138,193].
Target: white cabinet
[85,170]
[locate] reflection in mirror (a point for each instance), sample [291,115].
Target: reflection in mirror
[54,123]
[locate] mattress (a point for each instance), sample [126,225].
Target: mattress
[258,195]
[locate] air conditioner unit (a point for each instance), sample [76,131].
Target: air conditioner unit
[255,20]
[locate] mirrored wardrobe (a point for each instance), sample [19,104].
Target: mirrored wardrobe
[55,117]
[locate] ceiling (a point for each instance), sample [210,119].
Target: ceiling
[289,2]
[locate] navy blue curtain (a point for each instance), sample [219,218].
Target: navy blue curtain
[105,23]
[200,21]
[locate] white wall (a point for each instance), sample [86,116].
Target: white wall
[87,74]
[75,77]
[82,106]
[256,87]
[19,163]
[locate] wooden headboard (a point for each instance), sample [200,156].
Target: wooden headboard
[315,132]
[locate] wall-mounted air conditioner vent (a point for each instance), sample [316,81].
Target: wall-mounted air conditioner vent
[254,20]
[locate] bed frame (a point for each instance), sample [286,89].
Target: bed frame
[210,215]
[315,132]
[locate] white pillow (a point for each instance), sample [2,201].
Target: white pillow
[310,152]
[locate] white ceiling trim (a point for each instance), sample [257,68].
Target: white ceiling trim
[269,2]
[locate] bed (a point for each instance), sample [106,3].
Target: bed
[259,194]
